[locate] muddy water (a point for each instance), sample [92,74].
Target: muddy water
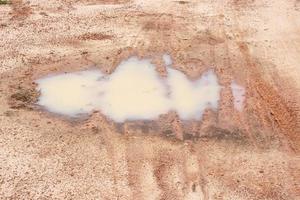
[191,98]
[134,91]
[238,93]
[70,94]
[167,59]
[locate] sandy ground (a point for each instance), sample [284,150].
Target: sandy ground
[229,155]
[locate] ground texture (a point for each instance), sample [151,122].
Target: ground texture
[229,155]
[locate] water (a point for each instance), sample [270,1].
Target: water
[238,93]
[191,98]
[134,91]
[72,93]
[167,59]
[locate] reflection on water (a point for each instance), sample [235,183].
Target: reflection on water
[238,93]
[134,91]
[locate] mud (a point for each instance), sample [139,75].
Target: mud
[252,154]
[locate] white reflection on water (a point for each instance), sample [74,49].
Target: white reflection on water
[134,91]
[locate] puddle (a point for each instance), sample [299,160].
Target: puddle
[134,91]
[167,59]
[238,93]
[72,93]
[191,98]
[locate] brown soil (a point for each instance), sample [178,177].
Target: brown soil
[228,155]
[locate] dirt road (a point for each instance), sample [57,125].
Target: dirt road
[254,154]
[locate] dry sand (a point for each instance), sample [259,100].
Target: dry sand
[231,155]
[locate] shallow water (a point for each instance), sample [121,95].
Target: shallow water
[134,91]
[167,59]
[191,98]
[71,93]
[238,93]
